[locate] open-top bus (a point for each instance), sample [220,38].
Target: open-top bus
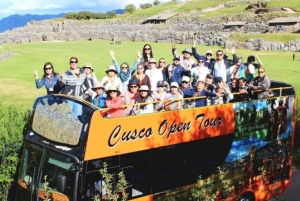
[240,150]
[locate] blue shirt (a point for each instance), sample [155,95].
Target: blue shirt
[49,83]
[99,101]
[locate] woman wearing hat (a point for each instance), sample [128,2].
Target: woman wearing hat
[114,103]
[100,97]
[131,95]
[91,80]
[124,71]
[145,97]
[154,74]
[112,79]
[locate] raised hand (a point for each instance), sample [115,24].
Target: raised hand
[194,42]
[139,54]
[174,46]
[35,73]
[232,50]
[112,54]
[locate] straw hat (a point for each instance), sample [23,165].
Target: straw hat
[113,88]
[111,68]
[97,85]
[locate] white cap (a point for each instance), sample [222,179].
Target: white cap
[185,78]
[174,84]
[208,52]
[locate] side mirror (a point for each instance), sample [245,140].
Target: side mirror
[61,183]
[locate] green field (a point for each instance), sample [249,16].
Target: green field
[17,80]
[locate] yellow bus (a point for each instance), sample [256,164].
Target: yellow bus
[235,151]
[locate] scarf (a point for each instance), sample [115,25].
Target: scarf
[124,75]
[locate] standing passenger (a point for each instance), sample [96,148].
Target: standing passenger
[154,74]
[146,55]
[49,79]
[100,97]
[91,81]
[112,79]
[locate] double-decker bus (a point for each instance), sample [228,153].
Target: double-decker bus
[235,151]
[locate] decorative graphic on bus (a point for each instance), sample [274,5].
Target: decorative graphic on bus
[65,126]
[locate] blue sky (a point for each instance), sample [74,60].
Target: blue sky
[21,7]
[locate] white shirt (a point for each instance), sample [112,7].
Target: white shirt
[116,81]
[199,72]
[155,75]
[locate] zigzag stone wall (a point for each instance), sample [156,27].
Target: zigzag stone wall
[181,30]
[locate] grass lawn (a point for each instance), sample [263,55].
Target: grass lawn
[17,80]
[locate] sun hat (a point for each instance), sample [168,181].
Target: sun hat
[97,85]
[187,50]
[111,68]
[151,60]
[144,88]
[113,88]
[88,65]
[174,84]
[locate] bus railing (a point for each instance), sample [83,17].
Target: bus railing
[168,100]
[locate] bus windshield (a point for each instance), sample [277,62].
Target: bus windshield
[40,170]
[67,118]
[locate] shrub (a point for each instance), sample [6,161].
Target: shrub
[12,123]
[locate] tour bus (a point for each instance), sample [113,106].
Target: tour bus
[234,151]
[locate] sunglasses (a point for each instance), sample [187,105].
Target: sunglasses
[73,62]
[160,86]
[184,82]
[47,68]
[208,54]
[123,67]
[99,88]
[147,49]
[201,61]
[260,71]
[162,62]
[113,92]
[133,86]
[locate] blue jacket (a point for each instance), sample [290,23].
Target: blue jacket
[50,84]
[202,101]
[99,101]
[177,73]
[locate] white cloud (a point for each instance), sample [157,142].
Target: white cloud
[11,7]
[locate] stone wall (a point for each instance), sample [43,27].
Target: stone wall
[181,30]
[5,54]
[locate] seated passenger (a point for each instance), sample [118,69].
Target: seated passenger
[174,98]
[100,97]
[209,86]
[114,103]
[234,88]
[245,92]
[223,92]
[188,92]
[145,97]
[159,95]
[199,72]
[131,95]
[200,92]
[262,83]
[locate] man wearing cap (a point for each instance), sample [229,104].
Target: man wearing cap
[223,92]
[208,56]
[176,71]
[199,73]
[100,97]
[186,61]
[187,91]
[154,74]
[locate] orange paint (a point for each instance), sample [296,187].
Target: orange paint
[108,137]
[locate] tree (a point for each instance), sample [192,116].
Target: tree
[145,5]
[156,2]
[130,8]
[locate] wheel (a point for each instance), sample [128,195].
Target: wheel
[247,196]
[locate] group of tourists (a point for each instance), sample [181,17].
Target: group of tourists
[149,86]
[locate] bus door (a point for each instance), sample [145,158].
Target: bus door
[45,172]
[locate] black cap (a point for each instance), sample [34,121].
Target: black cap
[160,84]
[218,79]
[176,58]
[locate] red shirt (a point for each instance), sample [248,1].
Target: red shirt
[115,108]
